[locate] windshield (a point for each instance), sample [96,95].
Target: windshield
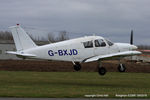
[109,43]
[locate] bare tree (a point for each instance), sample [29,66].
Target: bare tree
[51,38]
[62,36]
[5,35]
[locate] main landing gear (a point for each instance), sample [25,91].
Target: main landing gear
[102,70]
[77,66]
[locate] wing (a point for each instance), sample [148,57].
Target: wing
[20,54]
[108,56]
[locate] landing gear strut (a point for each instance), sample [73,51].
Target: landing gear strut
[77,66]
[121,68]
[101,70]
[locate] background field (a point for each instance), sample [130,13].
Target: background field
[58,66]
[71,84]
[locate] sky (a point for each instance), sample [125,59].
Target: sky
[112,19]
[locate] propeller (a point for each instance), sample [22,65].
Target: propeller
[131,38]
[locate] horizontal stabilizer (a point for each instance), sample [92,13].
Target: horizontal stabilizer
[20,54]
[120,54]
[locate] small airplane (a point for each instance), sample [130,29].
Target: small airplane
[80,50]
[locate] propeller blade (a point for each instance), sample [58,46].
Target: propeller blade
[131,38]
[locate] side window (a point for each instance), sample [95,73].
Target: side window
[0,51]
[100,43]
[88,44]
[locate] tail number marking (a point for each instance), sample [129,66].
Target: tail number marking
[63,52]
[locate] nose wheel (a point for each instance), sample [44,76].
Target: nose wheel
[101,71]
[121,68]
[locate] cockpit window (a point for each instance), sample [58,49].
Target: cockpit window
[100,43]
[109,43]
[88,44]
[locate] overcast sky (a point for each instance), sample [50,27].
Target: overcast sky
[112,19]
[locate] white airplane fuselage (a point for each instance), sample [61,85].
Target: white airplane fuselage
[74,50]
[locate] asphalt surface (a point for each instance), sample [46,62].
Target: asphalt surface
[65,99]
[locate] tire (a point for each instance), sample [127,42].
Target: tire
[77,67]
[101,71]
[121,68]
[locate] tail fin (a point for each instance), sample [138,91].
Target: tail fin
[21,38]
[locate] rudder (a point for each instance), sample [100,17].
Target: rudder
[21,38]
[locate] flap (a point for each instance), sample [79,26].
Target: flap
[120,54]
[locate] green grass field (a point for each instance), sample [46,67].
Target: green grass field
[71,84]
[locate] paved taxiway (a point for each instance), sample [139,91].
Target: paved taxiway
[63,99]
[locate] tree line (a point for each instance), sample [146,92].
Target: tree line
[6,35]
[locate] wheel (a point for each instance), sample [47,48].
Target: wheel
[101,71]
[121,68]
[77,67]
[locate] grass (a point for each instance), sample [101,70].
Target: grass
[71,84]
